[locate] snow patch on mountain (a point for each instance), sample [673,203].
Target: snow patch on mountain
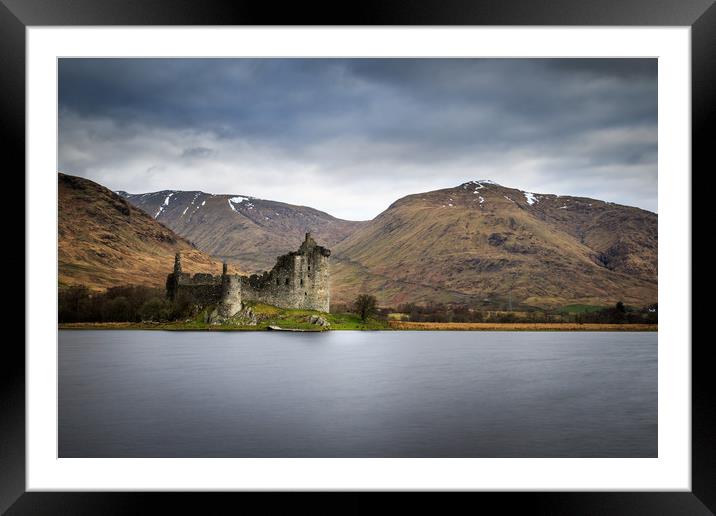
[531,198]
[163,205]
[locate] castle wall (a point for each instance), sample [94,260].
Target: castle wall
[299,280]
[199,289]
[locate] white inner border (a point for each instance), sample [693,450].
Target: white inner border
[671,471]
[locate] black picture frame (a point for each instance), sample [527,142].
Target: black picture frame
[16,15]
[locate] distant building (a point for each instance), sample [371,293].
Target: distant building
[300,280]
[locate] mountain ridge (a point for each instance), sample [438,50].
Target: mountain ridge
[484,240]
[234,227]
[478,243]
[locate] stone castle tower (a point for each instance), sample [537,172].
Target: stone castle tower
[299,280]
[230,293]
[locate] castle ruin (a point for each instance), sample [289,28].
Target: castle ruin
[299,280]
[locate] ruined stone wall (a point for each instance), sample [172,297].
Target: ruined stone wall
[299,280]
[200,289]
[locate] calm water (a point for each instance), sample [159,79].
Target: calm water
[357,394]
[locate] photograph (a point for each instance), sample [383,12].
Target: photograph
[359,257]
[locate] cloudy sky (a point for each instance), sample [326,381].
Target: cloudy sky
[350,136]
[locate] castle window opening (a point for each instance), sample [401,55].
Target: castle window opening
[286,281]
[301,281]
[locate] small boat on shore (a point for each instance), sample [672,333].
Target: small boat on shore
[278,328]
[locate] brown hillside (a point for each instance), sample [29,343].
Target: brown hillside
[478,243]
[484,243]
[104,241]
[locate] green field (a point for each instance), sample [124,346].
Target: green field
[299,319]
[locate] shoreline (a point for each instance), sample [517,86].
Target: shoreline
[391,326]
[487,326]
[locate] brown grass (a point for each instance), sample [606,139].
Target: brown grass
[421,250]
[403,325]
[105,242]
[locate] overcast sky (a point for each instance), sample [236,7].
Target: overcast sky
[350,136]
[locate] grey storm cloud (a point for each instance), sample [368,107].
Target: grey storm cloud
[197,152]
[349,136]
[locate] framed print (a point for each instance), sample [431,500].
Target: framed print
[416,254]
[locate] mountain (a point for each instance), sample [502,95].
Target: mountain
[479,243]
[483,243]
[104,241]
[247,231]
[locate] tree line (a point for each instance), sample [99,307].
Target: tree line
[135,303]
[366,306]
[439,312]
[130,303]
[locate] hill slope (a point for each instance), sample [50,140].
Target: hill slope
[484,243]
[104,241]
[478,243]
[248,231]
